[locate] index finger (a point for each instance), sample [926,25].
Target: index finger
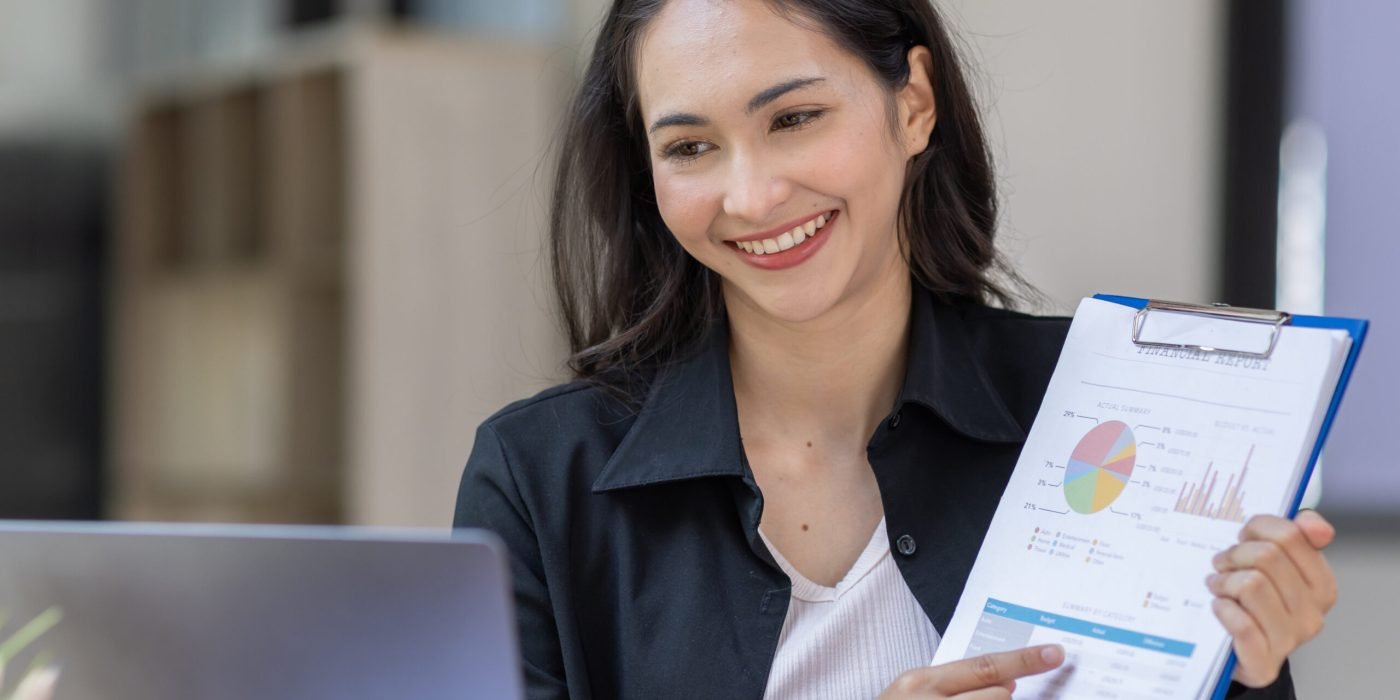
[996,669]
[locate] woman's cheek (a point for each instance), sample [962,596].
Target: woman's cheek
[858,154]
[685,210]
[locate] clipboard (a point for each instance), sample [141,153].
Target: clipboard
[1356,328]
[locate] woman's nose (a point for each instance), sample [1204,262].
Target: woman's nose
[754,188]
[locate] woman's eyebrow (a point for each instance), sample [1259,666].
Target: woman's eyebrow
[677,119]
[763,98]
[758,102]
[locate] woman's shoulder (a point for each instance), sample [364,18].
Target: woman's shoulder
[1029,335]
[1017,352]
[566,413]
[1009,320]
[535,454]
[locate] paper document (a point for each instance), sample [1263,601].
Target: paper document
[1142,464]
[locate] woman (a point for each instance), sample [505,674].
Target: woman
[772,241]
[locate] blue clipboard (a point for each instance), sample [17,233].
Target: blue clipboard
[1356,328]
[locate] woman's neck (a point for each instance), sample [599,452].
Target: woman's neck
[830,379]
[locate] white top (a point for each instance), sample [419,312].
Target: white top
[853,640]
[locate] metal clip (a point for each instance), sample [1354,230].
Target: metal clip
[1277,319]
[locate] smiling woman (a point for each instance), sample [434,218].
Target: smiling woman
[640,131]
[773,245]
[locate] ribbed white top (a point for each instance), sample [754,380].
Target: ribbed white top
[853,640]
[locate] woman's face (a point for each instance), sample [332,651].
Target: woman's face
[774,157]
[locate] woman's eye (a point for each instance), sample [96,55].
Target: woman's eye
[687,150]
[795,120]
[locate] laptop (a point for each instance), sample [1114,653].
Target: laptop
[126,611]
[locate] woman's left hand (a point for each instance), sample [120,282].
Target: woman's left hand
[1273,590]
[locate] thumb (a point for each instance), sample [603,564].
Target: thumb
[1316,529]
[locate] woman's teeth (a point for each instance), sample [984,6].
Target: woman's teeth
[789,239]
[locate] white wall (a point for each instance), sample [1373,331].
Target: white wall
[1104,117]
[52,57]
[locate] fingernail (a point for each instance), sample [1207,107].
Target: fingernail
[1052,654]
[1211,579]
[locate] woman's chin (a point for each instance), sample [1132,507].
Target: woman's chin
[792,307]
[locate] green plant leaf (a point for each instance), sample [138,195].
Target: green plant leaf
[27,634]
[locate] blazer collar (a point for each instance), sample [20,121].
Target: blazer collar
[945,374]
[688,426]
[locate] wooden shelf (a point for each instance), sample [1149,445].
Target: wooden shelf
[303,241]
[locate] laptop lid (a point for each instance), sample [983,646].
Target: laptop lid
[212,611]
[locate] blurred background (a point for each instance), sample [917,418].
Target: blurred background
[274,260]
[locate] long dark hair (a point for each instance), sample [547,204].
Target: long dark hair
[631,298]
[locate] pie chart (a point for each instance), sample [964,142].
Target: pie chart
[1100,466]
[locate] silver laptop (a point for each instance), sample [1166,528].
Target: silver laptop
[127,611]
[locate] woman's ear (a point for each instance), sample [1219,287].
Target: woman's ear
[917,111]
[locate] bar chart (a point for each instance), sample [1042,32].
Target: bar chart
[1195,498]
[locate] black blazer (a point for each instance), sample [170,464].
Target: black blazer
[635,555]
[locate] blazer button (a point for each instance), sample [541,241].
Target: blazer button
[906,546]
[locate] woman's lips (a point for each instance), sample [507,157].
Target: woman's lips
[795,255]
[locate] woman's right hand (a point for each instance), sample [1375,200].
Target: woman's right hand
[989,677]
